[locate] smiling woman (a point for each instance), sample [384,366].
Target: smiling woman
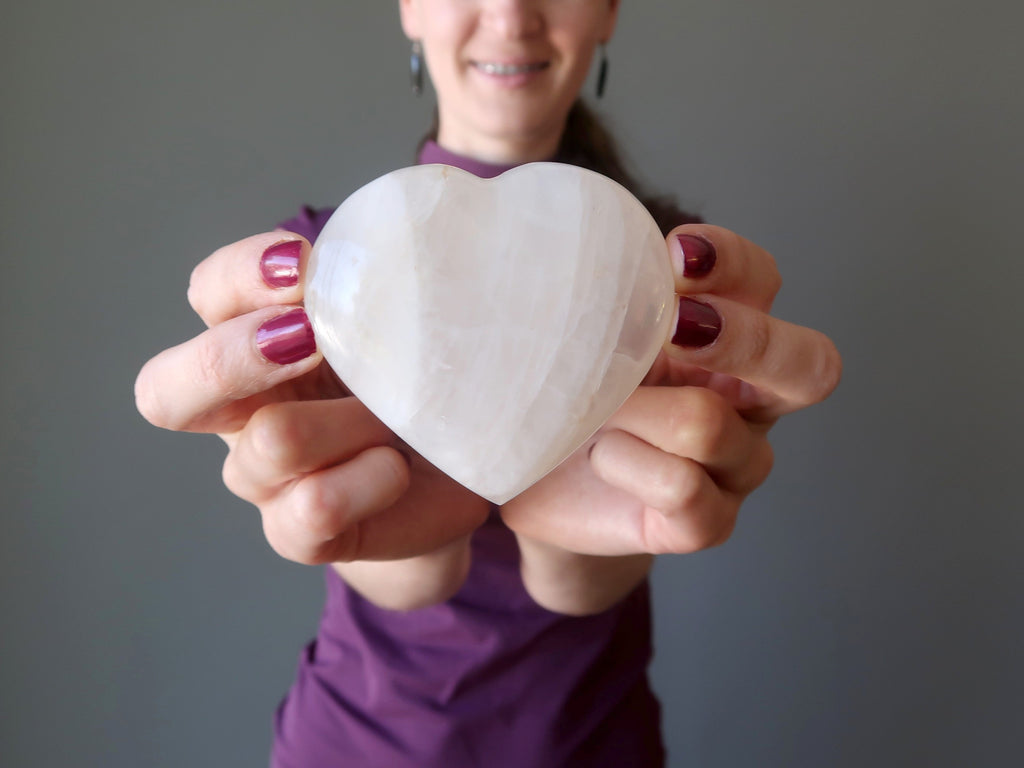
[506,73]
[459,633]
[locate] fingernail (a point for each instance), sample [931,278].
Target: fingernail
[279,264]
[286,338]
[698,255]
[698,325]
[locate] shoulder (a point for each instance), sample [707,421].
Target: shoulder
[308,222]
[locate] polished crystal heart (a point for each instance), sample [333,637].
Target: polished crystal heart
[494,325]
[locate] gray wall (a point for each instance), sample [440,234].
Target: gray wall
[868,609]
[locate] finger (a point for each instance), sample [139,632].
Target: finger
[700,425]
[684,509]
[317,520]
[284,441]
[252,273]
[709,259]
[402,530]
[785,366]
[186,387]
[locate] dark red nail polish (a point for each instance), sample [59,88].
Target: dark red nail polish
[279,264]
[699,324]
[286,338]
[699,255]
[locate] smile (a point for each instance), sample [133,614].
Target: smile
[494,68]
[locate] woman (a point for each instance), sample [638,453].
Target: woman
[455,634]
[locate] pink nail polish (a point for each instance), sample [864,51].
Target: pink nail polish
[279,264]
[699,255]
[699,324]
[286,338]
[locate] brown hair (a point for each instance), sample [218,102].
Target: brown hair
[586,142]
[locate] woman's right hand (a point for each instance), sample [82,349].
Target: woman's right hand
[332,483]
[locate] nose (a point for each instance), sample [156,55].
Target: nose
[512,19]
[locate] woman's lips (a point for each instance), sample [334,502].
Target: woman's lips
[503,69]
[507,74]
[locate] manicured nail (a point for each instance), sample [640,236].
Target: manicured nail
[698,255]
[279,264]
[286,338]
[699,324]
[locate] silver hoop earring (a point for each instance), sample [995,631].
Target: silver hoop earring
[602,72]
[416,67]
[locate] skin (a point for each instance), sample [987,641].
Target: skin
[504,119]
[666,474]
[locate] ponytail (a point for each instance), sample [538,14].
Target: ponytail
[586,142]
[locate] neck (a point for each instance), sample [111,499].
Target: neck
[506,151]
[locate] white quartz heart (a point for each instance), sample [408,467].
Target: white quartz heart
[494,325]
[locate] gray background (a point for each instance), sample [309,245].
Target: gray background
[868,609]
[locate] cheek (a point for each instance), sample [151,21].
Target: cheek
[579,52]
[576,41]
[441,55]
[447,30]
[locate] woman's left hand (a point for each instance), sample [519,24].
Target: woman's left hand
[670,469]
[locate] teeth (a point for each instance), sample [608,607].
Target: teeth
[508,69]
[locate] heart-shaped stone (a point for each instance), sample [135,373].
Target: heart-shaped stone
[494,325]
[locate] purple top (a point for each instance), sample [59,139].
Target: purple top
[488,678]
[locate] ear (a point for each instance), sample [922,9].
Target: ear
[613,17]
[409,12]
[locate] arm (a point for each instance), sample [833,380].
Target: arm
[576,584]
[411,583]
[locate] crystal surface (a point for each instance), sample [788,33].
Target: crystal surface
[494,325]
